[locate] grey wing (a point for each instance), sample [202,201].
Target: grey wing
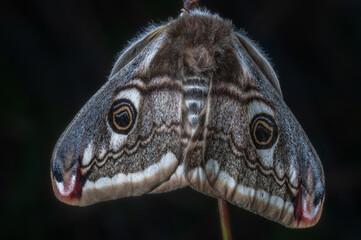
[259,61]
[250,150]
[126,140]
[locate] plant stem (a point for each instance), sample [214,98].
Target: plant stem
[224,217]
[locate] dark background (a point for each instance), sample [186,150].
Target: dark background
[54,55]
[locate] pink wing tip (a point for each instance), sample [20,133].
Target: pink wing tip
[308,206]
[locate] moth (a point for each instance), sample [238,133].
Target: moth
[192,102]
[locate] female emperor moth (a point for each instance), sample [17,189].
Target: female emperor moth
[192,103]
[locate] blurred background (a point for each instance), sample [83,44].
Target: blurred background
[54,55]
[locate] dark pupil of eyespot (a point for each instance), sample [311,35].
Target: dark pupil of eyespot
[121,116]
[262,133]
[122,119]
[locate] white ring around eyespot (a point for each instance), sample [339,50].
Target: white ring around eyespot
[134,96]
[258,107]
[131,94]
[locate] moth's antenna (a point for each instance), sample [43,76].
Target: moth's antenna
[190,5]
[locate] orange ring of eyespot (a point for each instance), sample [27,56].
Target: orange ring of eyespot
[124,108]
[266,125]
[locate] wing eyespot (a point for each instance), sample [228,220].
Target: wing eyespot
[122,116]
[264,131]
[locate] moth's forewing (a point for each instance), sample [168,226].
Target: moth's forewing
[248,148]
[126,141]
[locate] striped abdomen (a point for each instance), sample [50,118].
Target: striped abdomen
[195,91]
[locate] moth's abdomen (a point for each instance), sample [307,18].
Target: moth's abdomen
[195,92]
